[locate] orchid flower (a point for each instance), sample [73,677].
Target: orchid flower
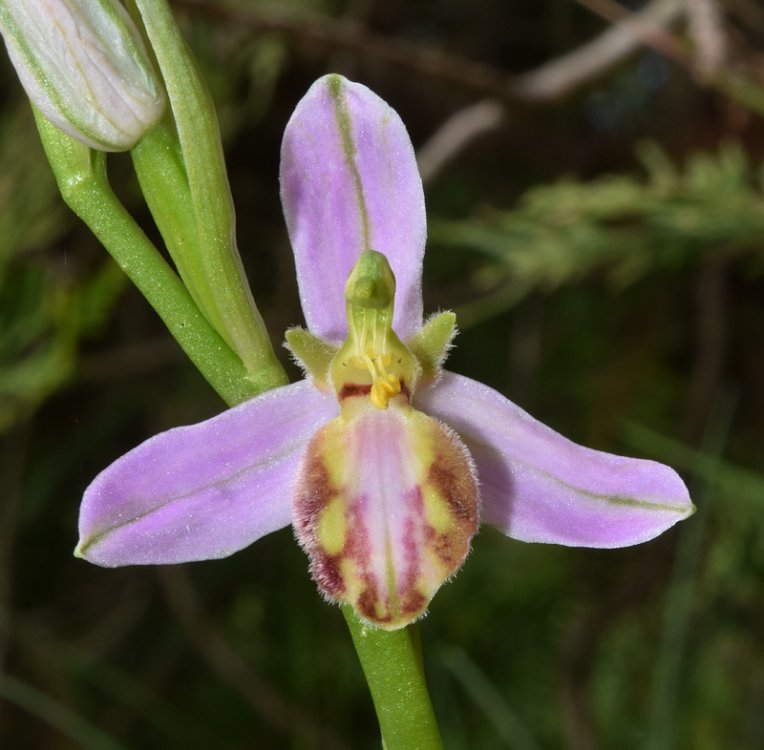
[384,463]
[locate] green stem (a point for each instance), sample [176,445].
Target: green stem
[81,177]
[393,668]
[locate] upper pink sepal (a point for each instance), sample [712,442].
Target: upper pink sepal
[386,507]
[349,183]
[538,486]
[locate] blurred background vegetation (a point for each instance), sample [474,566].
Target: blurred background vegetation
[595,191]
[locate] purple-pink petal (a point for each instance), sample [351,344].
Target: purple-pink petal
[204,491]
[349,183]
[538,486]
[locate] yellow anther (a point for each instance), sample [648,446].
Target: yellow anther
[383,385]
[382,391]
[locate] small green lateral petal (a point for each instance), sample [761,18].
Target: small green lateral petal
[430,344]
[386,507]
[312,353]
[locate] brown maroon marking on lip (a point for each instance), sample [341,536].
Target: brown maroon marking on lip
[314,491]
[369,598]
[450,549]
[351,390]
[357,549]
[367,605]
[450,476]
[326,572]
[458,488]
[414,603]
[413,561]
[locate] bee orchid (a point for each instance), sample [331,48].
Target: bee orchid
[384,463]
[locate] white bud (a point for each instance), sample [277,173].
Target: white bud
[85,67]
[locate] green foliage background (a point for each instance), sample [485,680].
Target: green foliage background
[605,254]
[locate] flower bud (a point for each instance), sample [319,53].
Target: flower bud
[84,66]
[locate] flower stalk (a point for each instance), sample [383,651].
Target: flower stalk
[393,669]
[82,180]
